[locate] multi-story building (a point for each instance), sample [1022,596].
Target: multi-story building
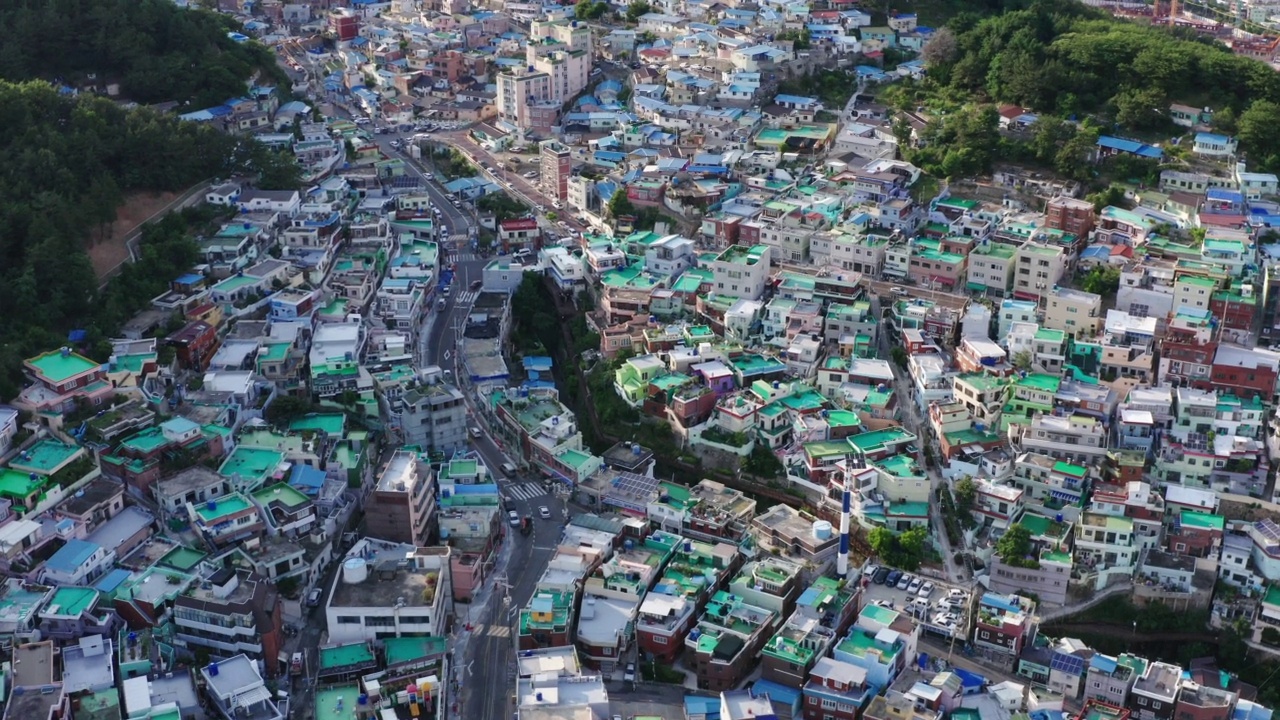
[1070,215]
[1004,624]
[1110,679]
[1037,269]
[1197,701]
[1075,312]
[231,612]
[881,654]
[524,98]
[823,613]
[835,691]
[402,506]
[60,379]
[390,590]
[1077,438]
[991,268]
[726,641]
[697,570]
[741,272]
[783,528]
[433,416]
[1155,692]
[1105,542]
[556,166]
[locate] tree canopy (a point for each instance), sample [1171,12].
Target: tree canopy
[1071,60]
[154,49]
[70,162]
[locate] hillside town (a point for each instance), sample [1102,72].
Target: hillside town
[596,371]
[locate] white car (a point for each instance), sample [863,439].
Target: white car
[513,518]
[544,512]
[363,121]
[926,589]
[904,582]
[914,587]
[871,570]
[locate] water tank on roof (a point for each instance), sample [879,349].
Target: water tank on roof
[1057,518]
[980,427]
[636,450]
[628,545]
[355,571]
[688,546]
[213,670]
[821,530]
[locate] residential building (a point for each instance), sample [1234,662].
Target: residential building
[1037,271]
[1075,312]
[390,590]
[727,639]
[1155,692]
[402,506]
[556,167]
[231,612]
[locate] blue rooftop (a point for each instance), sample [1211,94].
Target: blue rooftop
[112,580]
[71,556]
[1130,146]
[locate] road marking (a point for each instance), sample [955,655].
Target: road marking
[527,491]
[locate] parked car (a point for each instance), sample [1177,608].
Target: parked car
[475,432]
[629,675]
[926,589]
[904,582]
[870,571]
[881,576]
[313,597]
[914,587]
[894,577]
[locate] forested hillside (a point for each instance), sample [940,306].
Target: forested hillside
[1070,60]
[68,164]
[156,50]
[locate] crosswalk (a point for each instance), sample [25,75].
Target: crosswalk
[527,491]
[458,237]
[463,257]
[468,297]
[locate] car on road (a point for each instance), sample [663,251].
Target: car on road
[881,576]
[313,597]
[477,284]
[629,675]
[894,577]
[445,290]
[544,512]
[513,518]
[509,469]
[363,121]
[475,432]
[530,175]
[395,144]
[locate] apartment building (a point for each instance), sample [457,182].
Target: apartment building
[1004,624]
[741,272]
[697,571]
[723,646]
[231,612]
[1075,312]
[1037,270]
[390,590]
[433,416]
[992,266]
[1070,215]
[1155,692]
[1078,439]
[1105,542]
[402,506]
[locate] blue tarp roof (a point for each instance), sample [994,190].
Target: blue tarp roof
[538,363]
[969,679]
[1130,146]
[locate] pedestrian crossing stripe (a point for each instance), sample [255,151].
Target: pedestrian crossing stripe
[527,491]
[467,297]
[464,257]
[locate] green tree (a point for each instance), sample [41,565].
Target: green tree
[1257,133]
[637,9]
[1022,360]
[619,205]
[965,493]
[1014,546]
[1112,196]
[899,355]
[1103,280]
[287,408]
[1141,109]
[762,463]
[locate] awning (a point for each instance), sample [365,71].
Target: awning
[1065,497]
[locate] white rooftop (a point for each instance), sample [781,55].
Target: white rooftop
[602,621]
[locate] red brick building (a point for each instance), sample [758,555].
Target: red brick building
[518,234]
[1070,215]
[1247,372]
[195,344]
[1196,534]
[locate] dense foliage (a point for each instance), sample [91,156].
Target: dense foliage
[905,551]
[70,162]
[157,51]
[1068,60]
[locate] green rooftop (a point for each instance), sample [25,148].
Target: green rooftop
[251,464]
[1041,382]
[57,368]
[1067,468]
[336,702]
[214,511]
[283,493]
[71,601]
[329,423]
[880,440]
[182,558]
[17,485]
[341,656]
[827,448]
[403,650]
[45,457]
[1202,521]
[899,466]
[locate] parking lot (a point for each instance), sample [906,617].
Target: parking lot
[939,607]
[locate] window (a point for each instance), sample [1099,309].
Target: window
[659,639]
[829,704]
[348,620]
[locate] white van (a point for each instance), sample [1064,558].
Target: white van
[509,469]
